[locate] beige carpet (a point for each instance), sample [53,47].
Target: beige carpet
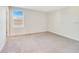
[40,43]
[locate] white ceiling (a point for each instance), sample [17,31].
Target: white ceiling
[44,8]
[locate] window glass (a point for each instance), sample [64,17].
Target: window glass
[17,13]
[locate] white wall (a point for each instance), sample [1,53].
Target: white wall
[35,22]
[2,26]
[65,22]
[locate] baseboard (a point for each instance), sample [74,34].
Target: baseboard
[27,33]
[66,36]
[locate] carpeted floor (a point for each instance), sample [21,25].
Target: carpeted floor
[40,43]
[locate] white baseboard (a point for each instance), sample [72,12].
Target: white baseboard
[64,35]
[27,33]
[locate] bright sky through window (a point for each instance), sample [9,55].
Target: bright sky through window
[17,13]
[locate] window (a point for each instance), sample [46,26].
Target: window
[18,18]
[17,13]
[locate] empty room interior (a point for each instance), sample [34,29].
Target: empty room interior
[39,29]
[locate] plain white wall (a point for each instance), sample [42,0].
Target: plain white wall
[2,26]
[35,22]
[65,22]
